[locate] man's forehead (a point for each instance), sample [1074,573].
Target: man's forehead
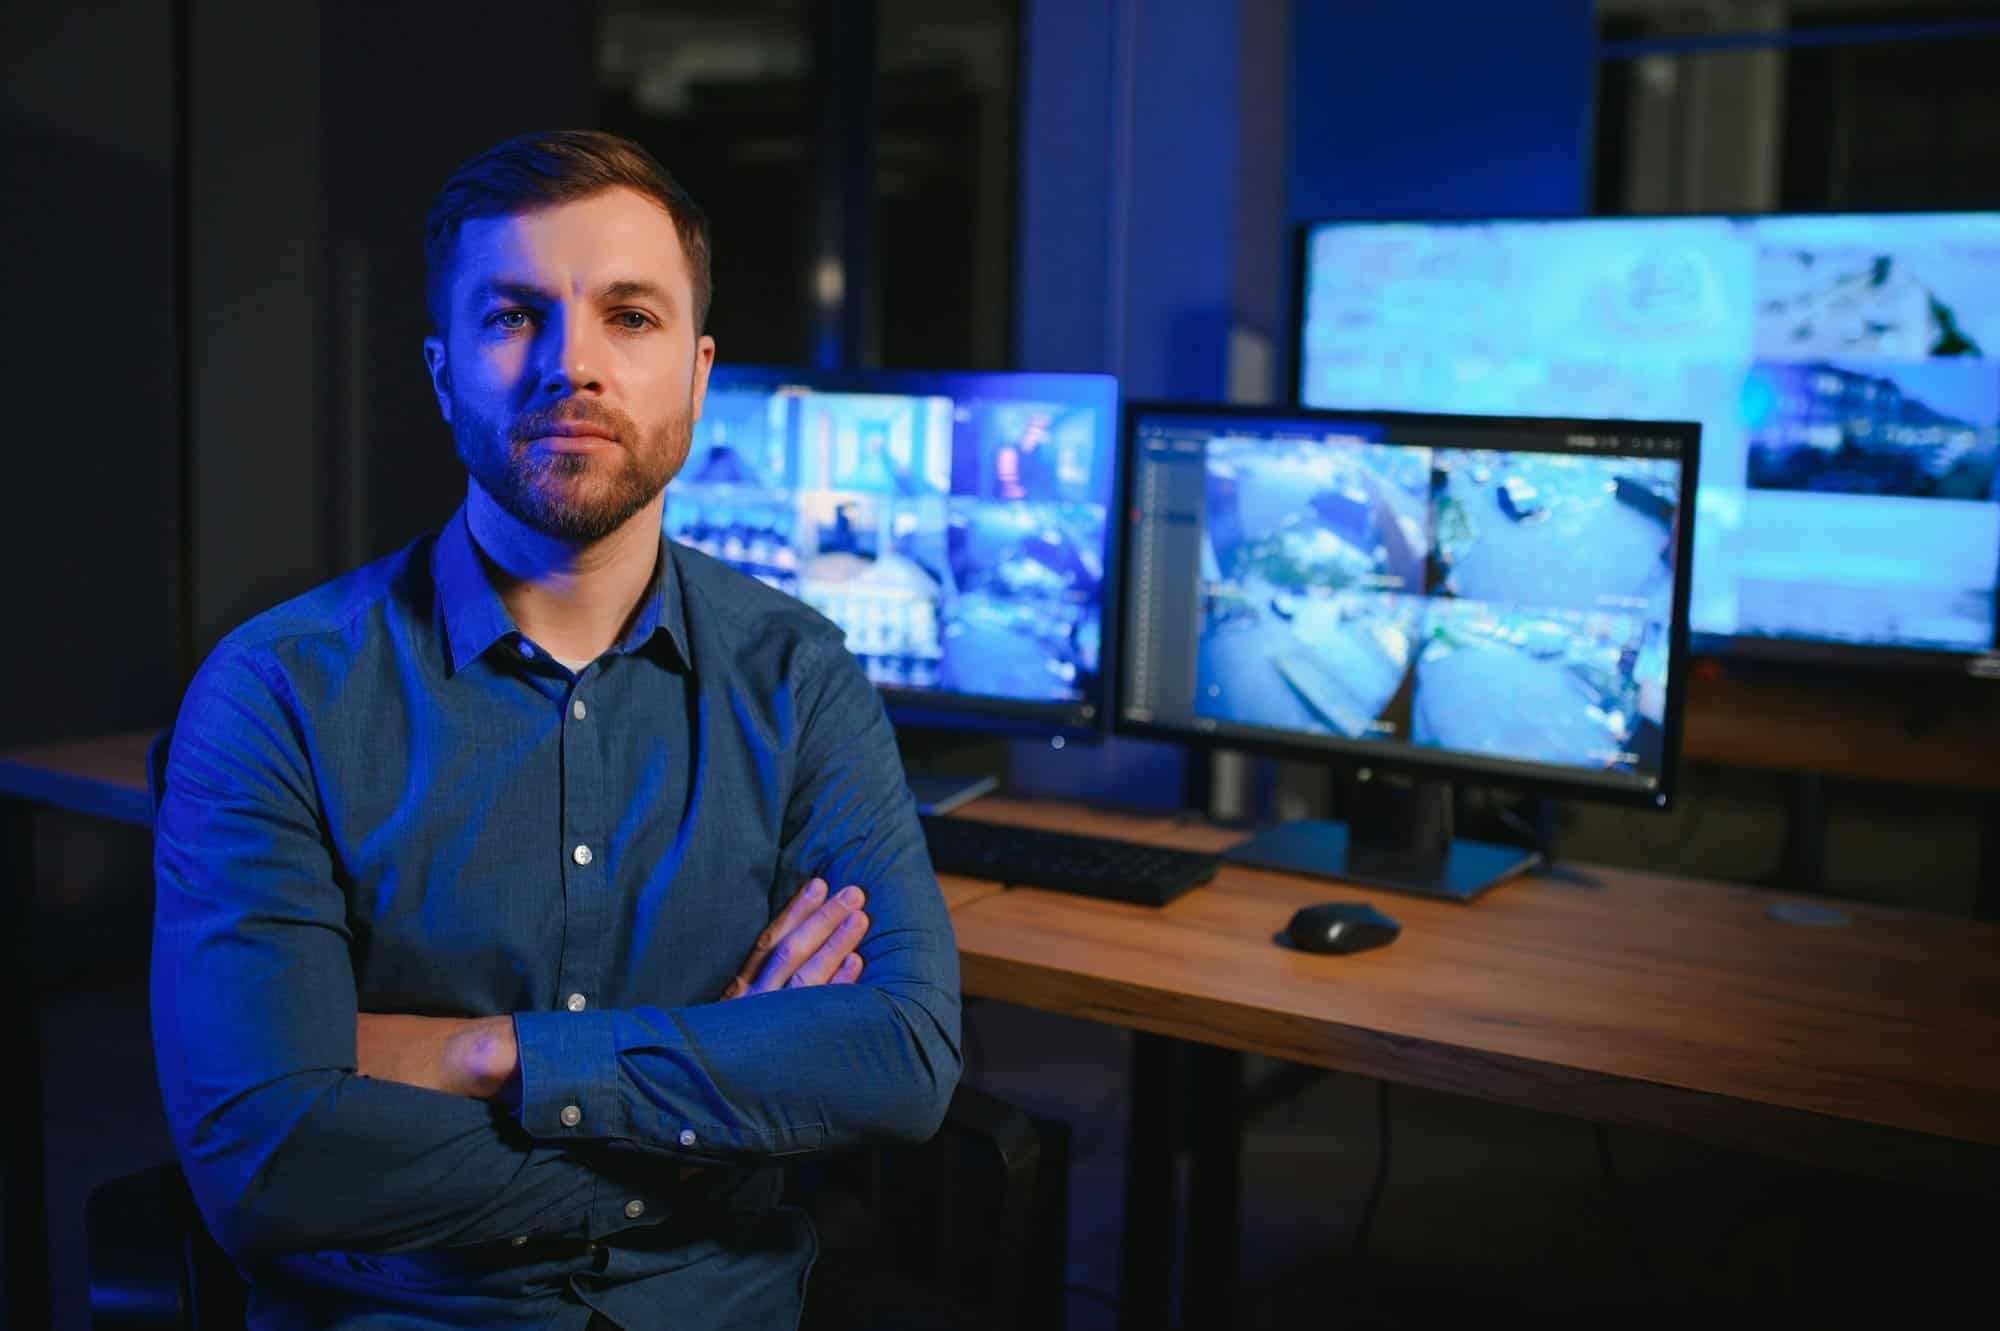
[616,235]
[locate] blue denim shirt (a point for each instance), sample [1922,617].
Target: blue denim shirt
[381,797]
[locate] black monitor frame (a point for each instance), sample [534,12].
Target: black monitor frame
[1086,719]
[1752,650]
[1403,759]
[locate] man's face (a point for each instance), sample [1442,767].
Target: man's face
[569,369]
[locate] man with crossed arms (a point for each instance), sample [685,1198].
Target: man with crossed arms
[496,969]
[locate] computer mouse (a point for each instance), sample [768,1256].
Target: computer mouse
[1339,926]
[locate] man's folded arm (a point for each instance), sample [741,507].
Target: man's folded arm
[286,1147]
[798,1069]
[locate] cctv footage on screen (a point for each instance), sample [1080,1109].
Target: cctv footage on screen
[1510,606]
[958,542]
[1841,368]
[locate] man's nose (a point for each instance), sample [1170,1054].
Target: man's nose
[572,352]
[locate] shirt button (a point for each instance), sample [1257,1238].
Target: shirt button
[519,1240]
[634,1209]
[581,854]
[571,1116]
[687,1136]
[576,1002]
[578,710]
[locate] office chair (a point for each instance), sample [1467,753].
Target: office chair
[925,1238]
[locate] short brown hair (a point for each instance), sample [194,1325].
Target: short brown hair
[546,168]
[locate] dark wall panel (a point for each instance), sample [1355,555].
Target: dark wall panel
[1454,107]
[88,514]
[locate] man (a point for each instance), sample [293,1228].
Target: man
[485,989]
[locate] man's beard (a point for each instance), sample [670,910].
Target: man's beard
[572,497]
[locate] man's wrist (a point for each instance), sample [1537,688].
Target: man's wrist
[482,1058]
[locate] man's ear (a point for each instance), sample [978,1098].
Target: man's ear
[440,368]
[704,361]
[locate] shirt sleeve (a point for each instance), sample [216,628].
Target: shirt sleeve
[801,1069]
[286,1147]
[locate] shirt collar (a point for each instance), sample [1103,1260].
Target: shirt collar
[475,618]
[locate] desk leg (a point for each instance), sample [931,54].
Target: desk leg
[1215,1202]
[27,1253]
[1153,1139]
[1986,902]
[1803,864]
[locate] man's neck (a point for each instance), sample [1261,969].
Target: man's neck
[575,602]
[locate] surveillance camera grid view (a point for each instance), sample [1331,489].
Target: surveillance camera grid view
[958,542]
[1511,604]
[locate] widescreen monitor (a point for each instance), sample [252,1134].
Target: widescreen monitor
[1842,367]
[952,524]
[1500,600]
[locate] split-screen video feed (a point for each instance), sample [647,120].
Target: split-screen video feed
[1512,604]
[958,544]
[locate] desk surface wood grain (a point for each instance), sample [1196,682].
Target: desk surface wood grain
[1613,995]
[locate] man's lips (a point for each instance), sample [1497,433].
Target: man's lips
[573,439]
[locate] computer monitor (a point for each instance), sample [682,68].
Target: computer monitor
[1842,367]
[952,523]
[1495,600]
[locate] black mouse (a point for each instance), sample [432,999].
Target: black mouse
[1339,926]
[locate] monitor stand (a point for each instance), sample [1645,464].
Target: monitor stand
[946,769]
[1397,835]
[941,792]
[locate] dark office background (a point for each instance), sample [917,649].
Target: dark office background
[211,259]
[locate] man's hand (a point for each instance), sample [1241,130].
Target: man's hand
[811,942]
[474,1057]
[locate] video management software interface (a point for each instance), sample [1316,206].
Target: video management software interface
[1504,598]
[956,534]
[1842,368]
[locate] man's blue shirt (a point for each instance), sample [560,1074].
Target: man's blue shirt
[381,797]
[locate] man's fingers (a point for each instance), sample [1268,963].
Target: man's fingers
[806,900]
[798,947]
[850,969]
[824,964]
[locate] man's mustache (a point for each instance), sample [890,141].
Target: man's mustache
[550,420]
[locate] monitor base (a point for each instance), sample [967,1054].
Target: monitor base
[941,792]
[1459,871]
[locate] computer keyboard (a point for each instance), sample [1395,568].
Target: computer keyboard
[1065,861]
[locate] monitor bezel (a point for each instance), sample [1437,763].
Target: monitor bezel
[1086,719]
[1414,762]
[1875,659]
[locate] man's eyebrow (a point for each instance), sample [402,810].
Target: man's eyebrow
[499,289]
[632,289]
[529,294]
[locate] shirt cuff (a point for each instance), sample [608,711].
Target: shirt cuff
[569,1076]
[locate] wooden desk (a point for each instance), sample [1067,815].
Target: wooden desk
[106,778]
[1620,997]
[1623,997]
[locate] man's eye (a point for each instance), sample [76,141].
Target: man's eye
[631,320]
[511,320]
